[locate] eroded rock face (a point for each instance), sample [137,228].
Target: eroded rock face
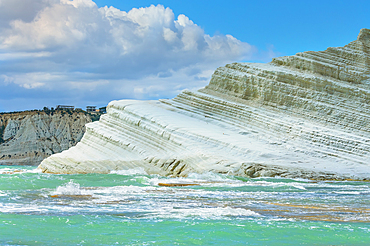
[306,115]
[29,137]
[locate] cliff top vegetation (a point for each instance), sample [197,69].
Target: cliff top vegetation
[50,111]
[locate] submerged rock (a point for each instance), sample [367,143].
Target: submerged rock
[306,115]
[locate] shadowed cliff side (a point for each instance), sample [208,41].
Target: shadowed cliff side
[26,138]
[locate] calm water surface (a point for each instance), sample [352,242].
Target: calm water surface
[132,208]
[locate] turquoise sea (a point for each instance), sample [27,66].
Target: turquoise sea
[132,208]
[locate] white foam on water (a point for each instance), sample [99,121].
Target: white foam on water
[208,213]
[305,185]
[299,187]
[218,180]
[144,199]
[8,170]
[210,176]
[11,171]
[45,209]
[35,170]
[299,180]
[208,179]
[4,170]
[70,188]
[134,171]
[348,192]
[119,190]
[22,208]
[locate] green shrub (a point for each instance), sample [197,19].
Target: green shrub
[95,117]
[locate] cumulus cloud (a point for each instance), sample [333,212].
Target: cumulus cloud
[83,54]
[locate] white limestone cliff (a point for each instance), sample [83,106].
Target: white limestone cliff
[26,138]
[306,115]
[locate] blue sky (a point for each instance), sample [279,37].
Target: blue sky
[287,25]
[84,52]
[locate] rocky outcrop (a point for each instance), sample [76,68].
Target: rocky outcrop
[306,115]
[26,138]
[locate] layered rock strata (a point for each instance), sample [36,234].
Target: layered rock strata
[306,115]
[26,138]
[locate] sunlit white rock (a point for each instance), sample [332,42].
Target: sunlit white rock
[306,115]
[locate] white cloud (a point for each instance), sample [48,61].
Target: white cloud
[57,45]
[32,85]
[22,55]
[79,3]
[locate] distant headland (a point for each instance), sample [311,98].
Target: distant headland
[28,137]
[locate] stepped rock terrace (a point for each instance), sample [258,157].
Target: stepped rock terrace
[306,116]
